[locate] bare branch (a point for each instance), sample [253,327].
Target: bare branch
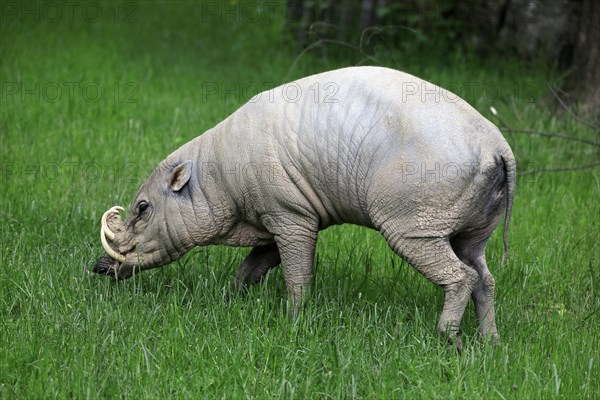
[555,135]
[561,169]
[330,41]
[553,90]
[552,135]
[365,37]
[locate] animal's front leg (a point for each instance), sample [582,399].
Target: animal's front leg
[297,255]
[257,263]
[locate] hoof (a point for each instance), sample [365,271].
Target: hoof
[492,339]
[455,342]
[449,335]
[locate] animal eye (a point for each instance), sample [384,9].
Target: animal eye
[142,206]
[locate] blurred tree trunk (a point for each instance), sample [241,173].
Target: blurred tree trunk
[584,82]
[294,20]
[346,11]
[482,21]
[367,13]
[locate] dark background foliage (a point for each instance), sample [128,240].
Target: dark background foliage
[565,33]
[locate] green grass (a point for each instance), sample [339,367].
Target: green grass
[368,330]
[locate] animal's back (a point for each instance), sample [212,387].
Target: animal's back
[348,138]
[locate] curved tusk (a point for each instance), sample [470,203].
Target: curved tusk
[107,230]
[108,249]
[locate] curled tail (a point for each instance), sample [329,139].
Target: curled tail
[510,171]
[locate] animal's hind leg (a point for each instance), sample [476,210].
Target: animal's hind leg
[471,250]
[435,259]
[483,296]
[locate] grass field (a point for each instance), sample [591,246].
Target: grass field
[92,102]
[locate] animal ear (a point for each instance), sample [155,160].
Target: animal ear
[179,176]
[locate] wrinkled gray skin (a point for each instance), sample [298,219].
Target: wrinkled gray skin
[373,147]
